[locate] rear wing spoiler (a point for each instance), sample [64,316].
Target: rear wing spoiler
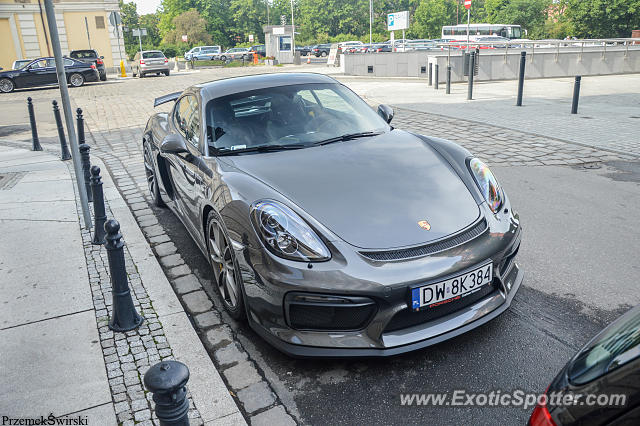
[166,98]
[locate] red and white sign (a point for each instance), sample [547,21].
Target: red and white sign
[185,38]
[467,4]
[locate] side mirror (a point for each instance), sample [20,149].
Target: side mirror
[173,144]
[386,112]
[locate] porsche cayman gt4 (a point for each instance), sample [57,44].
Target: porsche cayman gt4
[332,232]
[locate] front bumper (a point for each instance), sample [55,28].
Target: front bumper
[270,281]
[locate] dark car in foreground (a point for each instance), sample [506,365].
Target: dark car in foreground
[42,72]
[601,383]
[91,56]
[331,232]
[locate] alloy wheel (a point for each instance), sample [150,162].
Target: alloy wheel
[151,176]
[221,256]
[76,80]
[6,85]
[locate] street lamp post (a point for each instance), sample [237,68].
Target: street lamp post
[293,32]
[370,21]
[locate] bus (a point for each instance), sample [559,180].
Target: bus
[459,32]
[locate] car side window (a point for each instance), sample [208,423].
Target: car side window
[187,119]
[39,64]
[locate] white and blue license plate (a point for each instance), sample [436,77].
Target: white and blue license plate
[453,289]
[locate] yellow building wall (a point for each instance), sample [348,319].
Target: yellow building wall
[8,53]
[42,40]
[16,20]
[77,33]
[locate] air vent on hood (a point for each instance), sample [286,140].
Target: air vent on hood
[427,249]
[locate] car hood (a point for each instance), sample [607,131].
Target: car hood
[371,192]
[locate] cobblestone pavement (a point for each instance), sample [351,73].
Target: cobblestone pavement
[115,115]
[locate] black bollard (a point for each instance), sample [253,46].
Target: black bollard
[99,214]
[86,166]
[124,316]
[435,76]
[430,74]
[167,381]
[80,124]
[34,130]
[65,154]
[523,63]
[448,79]
[472,65]
[576,95]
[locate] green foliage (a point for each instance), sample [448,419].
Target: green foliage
[431,16]
[191,24]
[603,18]
[529,14]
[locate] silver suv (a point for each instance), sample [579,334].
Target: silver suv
[150,62]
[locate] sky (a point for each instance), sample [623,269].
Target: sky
[145,6]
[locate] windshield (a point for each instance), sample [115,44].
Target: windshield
[297,115]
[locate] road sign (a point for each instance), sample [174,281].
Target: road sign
[185,38]
[137,32]
[467,4]
[398,21]
[251,38]
[114,18]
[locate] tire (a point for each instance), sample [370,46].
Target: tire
[140,74]
[323,54]
[133,73]
[152,176]
[6,85]
[76,80]
[103,77]
[166,73]
[222,259]
[223,58]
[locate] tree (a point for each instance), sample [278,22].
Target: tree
[248,17]
[431,16]
[191,24]
[603,18]
[529,14]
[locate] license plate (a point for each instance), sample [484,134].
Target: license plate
[453,289]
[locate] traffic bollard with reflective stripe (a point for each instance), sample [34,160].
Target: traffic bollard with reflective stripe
[65,154]
[99,213]
[448,79]
[472,65]
[124,316]
[166,381]
[34,130]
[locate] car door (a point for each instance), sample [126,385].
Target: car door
[185,166]
[37,74]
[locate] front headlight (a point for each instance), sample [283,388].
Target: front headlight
[488,184]
[285,234]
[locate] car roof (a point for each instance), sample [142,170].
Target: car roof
[229,86]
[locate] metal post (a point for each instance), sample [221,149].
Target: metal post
[99,213]
[80,124]
[472,61]
[124,316]
[523,63]
[34,130]
[66,105]
[167,381]
[448,79]
[430,74]
[435,76]
[64,149]
[576,95]
[468,23]
[86,165]
[370,21]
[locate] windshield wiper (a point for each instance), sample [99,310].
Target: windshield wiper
[262,148]
[347,137]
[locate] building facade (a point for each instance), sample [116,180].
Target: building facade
[81,24]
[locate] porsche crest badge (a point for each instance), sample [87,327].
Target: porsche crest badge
[424,225]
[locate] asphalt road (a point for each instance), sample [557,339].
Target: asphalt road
[572,251]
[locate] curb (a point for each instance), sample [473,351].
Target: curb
[208,391]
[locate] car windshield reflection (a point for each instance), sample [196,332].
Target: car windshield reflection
[297,115]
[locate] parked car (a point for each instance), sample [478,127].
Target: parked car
[295,251]
[346,45]
[304,51]
[493,42]
[608,365]
[91,56]
[20,63]
[42,72]
[382,47]
[321,50]
[150,62]
[260,49]
[206,53]
[198,49]
[234,53]
[420,45]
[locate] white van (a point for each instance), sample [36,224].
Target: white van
[202,51]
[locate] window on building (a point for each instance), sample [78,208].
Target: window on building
[100,22]
[285,43]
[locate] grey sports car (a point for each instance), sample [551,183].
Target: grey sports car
[333,233]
